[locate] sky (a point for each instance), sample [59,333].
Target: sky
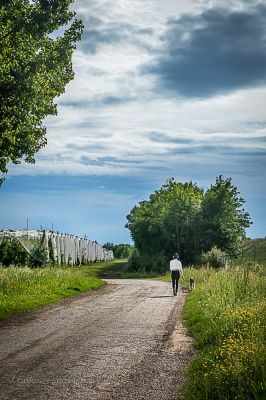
[162,88]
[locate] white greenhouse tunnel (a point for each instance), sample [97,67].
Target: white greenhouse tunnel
[62,248]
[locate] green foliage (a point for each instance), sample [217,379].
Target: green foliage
[181,217]
[120,251]
[226,317]
[35,66]
[12,253]
[168,221]
[215,258]
[223,219]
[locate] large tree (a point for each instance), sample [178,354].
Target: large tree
[224,219]
[35,66]
[182,217]
[168,221]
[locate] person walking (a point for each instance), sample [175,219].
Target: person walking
[176,270]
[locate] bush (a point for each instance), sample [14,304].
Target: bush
[12,253]
[215,258]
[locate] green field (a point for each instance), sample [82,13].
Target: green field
[22,289]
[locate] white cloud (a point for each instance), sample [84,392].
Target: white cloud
[110,122]
[132,138]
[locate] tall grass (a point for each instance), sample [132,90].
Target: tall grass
[226,317]
[23,289]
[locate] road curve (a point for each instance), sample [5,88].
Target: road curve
[124,341]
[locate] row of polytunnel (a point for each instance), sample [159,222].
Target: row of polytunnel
[59,247]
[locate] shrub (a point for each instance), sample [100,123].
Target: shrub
[215,258]
[12,252]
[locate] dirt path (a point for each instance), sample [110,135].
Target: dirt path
[122,342]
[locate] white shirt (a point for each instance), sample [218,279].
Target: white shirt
[175,265]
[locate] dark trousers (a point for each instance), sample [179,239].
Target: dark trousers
[175,279]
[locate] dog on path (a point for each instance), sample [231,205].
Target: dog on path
[192,284]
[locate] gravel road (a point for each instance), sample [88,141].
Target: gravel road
[124,341]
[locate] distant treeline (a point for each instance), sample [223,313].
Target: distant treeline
[183,218]
[122,250]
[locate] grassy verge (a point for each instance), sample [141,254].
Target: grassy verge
[22,289]
[226,317]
